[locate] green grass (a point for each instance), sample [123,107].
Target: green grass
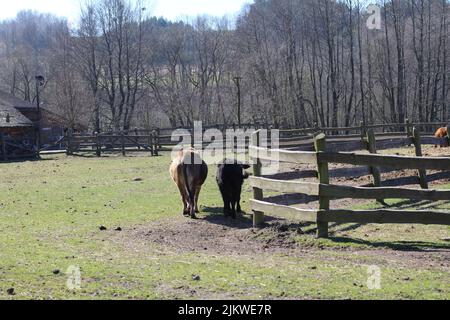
[51,210]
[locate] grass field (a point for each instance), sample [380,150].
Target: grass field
[51,211]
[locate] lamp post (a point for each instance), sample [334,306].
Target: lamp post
[237,81]
[40,80]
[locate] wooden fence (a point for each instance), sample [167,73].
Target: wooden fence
[112,142]
[13,149]
[159,140]
[321,157]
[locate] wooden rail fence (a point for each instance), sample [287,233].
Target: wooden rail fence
[112,142]
[321,157]
[351,139]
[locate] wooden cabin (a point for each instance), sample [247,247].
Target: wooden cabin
[17,134]
[19,123]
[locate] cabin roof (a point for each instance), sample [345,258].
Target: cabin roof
[10,116]
[22,113]
[7,99]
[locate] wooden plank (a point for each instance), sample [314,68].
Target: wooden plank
[395,162]
[342,192]
[393,143]
[308,188]
[430,140]
[299,157]
[348,145]
[296,139]
[284,211]
[296,143]
[324,178]
[385,216]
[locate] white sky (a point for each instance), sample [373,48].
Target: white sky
[170,9]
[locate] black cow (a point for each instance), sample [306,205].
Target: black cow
[230,178]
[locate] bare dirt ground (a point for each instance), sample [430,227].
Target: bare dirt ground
[220,236]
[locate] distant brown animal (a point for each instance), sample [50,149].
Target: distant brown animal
[189,173]
[441,133]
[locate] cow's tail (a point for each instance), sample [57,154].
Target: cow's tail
[190,189]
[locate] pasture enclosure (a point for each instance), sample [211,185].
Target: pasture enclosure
[51,211]
[320,151]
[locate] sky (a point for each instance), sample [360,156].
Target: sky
[169,9]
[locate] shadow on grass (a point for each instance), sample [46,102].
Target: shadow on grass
[417,204]
[243,221]
[418,246]
[216,216]
[19,160]
[90,155]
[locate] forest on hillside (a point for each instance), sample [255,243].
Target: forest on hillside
[287,63]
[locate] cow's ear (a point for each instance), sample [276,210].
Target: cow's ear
[246,175]
[245,166]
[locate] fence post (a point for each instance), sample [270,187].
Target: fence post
[322,170]
[136,133]
[97,145]
[258,217]
[156,142]
[363,134]
[409,128]
[418,146]
[69,150]
[448,136]
[3,143]
[123,143]
[158,133]
[150,143]
[372,148]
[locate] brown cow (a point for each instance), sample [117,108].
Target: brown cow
[441,133]
[189,173]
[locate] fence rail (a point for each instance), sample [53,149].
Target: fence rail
[325,191]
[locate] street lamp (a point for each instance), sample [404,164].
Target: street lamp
[237,82]
[40,81]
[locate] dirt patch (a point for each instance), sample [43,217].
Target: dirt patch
[213,234]
[217,235]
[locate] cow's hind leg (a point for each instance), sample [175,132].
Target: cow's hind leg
[238,200]
[233,208]
[197,195]
[185,199]
[192,204]
[226,206]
